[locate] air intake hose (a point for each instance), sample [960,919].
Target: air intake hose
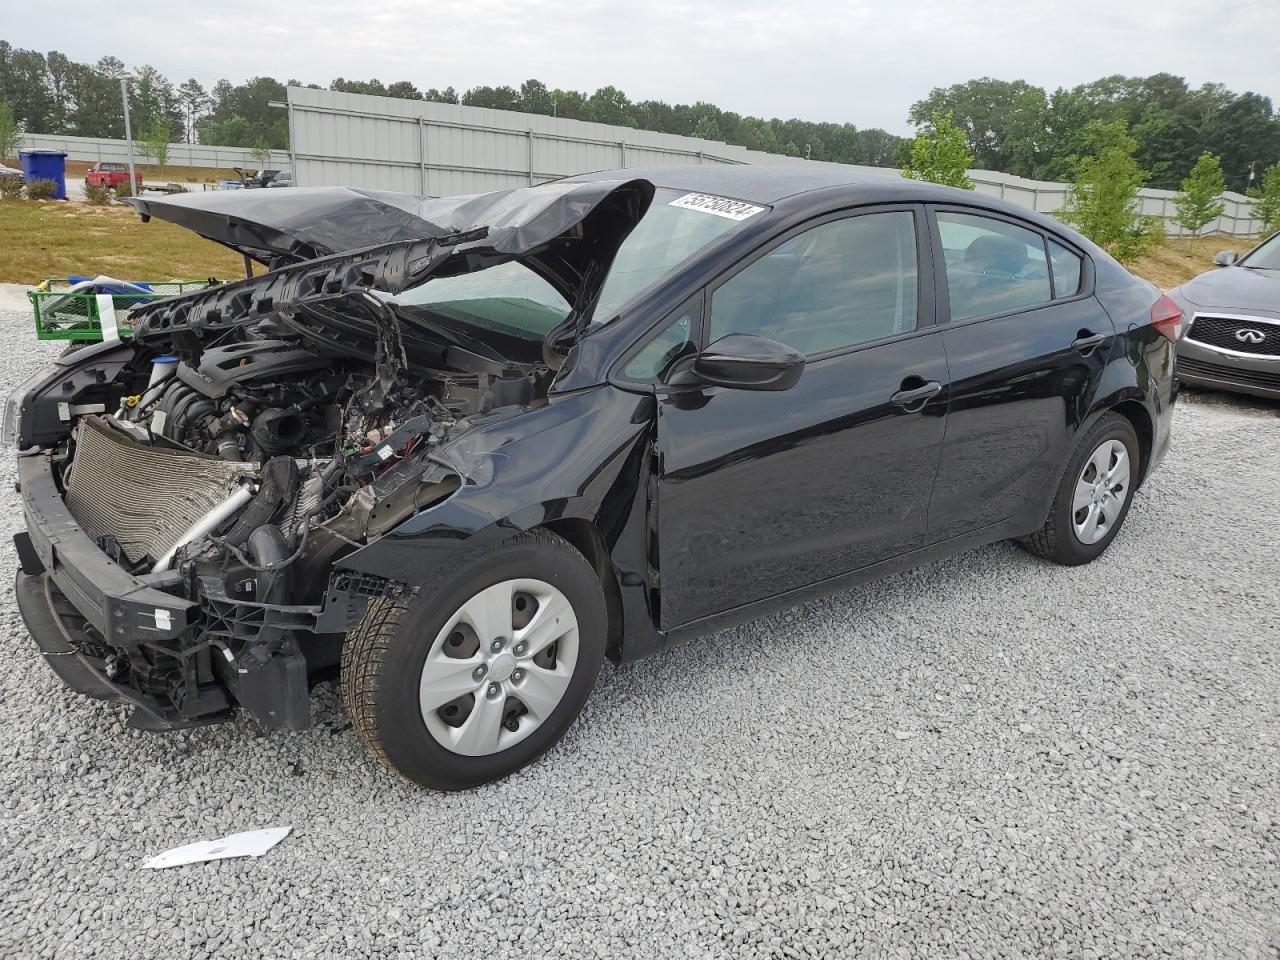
[267,548]
[279,430]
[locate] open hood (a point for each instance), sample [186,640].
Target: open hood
[329,244]
[282,228]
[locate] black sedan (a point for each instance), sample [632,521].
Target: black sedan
[460,451]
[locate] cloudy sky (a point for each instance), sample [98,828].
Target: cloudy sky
[861,62]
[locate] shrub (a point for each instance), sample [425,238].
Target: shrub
[41,189]
[1198,204]
[1103,202]
[97,194]
[940,154]
[124,188]
[10,188]
[1267,209]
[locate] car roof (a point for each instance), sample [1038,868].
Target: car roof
[768,183]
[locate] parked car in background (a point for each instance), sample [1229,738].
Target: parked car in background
[254,179]
[110,175]
[1232,341]
[282,179]
[502,437]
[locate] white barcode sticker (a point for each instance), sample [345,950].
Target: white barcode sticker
[717,206]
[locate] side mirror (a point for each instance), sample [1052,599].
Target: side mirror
[1226,258]
[744,361]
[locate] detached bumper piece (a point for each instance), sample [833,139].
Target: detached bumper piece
[112,634]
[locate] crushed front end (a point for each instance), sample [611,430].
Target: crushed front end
[190,493]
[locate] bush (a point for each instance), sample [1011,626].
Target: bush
[10,188]
[97,194]
[124,188]
[940,155]
[1103,202]
[41,189]
[1267,208]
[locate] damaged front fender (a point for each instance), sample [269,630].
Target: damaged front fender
[517,473]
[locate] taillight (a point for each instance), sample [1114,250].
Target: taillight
[1166,316]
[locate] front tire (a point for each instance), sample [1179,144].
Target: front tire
[1094,496]
[479,678]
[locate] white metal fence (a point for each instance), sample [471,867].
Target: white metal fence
[96,149]
[443,149]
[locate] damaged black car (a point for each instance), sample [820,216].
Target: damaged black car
[456,452]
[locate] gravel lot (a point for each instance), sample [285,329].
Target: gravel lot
[990,756]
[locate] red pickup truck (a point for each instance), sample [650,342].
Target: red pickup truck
[110,175]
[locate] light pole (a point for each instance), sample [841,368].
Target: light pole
[128,134]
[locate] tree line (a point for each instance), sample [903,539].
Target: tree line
[1008,126]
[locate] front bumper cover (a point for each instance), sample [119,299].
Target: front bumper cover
[1203,365]
[180,662]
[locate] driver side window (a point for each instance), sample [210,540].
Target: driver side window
[836,285]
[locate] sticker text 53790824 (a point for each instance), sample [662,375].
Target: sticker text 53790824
[719,206]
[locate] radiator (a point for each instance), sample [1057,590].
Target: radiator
[143,496]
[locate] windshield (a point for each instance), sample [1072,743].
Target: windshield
[511,299]
[1266,256]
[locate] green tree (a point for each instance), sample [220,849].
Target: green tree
[155,141]
[11,132]
[1103,202]
[261,151]
[939,154]
[1003,121]
[1198,204]
[1267,209]
[194,102]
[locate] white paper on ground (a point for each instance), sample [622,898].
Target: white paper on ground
[252,843]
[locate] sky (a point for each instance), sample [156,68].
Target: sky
[823,60]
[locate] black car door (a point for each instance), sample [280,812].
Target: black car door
[760,493]
[1026,343]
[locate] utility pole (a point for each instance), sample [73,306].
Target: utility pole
[128,135]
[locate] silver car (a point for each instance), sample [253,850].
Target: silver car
[1233,339]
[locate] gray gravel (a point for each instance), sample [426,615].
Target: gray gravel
[990,756]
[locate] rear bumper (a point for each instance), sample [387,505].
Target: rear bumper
[1203,366]
[180,662]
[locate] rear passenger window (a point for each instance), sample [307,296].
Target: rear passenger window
[837,285]
[1066,270]
[992,266]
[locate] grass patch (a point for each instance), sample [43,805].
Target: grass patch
[1178,259]
[54,238]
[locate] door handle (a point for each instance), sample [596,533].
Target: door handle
[1087,342]
[914,399]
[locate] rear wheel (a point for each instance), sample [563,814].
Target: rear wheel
[1094,496]
[479,678]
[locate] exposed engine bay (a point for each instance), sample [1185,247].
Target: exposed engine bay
[252,434]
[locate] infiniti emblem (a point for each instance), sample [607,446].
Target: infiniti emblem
[1249,335]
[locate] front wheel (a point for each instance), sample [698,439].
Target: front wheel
[479,678]
[1094,496]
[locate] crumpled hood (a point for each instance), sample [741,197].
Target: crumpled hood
[281,227]
[1235,289]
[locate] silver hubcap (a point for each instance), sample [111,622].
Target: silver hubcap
[1100,492]
[499,667]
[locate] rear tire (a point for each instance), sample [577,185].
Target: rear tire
[404,652]
[1092,501]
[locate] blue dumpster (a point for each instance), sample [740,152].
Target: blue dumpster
[45,165]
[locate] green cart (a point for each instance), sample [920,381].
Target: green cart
[67,311]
